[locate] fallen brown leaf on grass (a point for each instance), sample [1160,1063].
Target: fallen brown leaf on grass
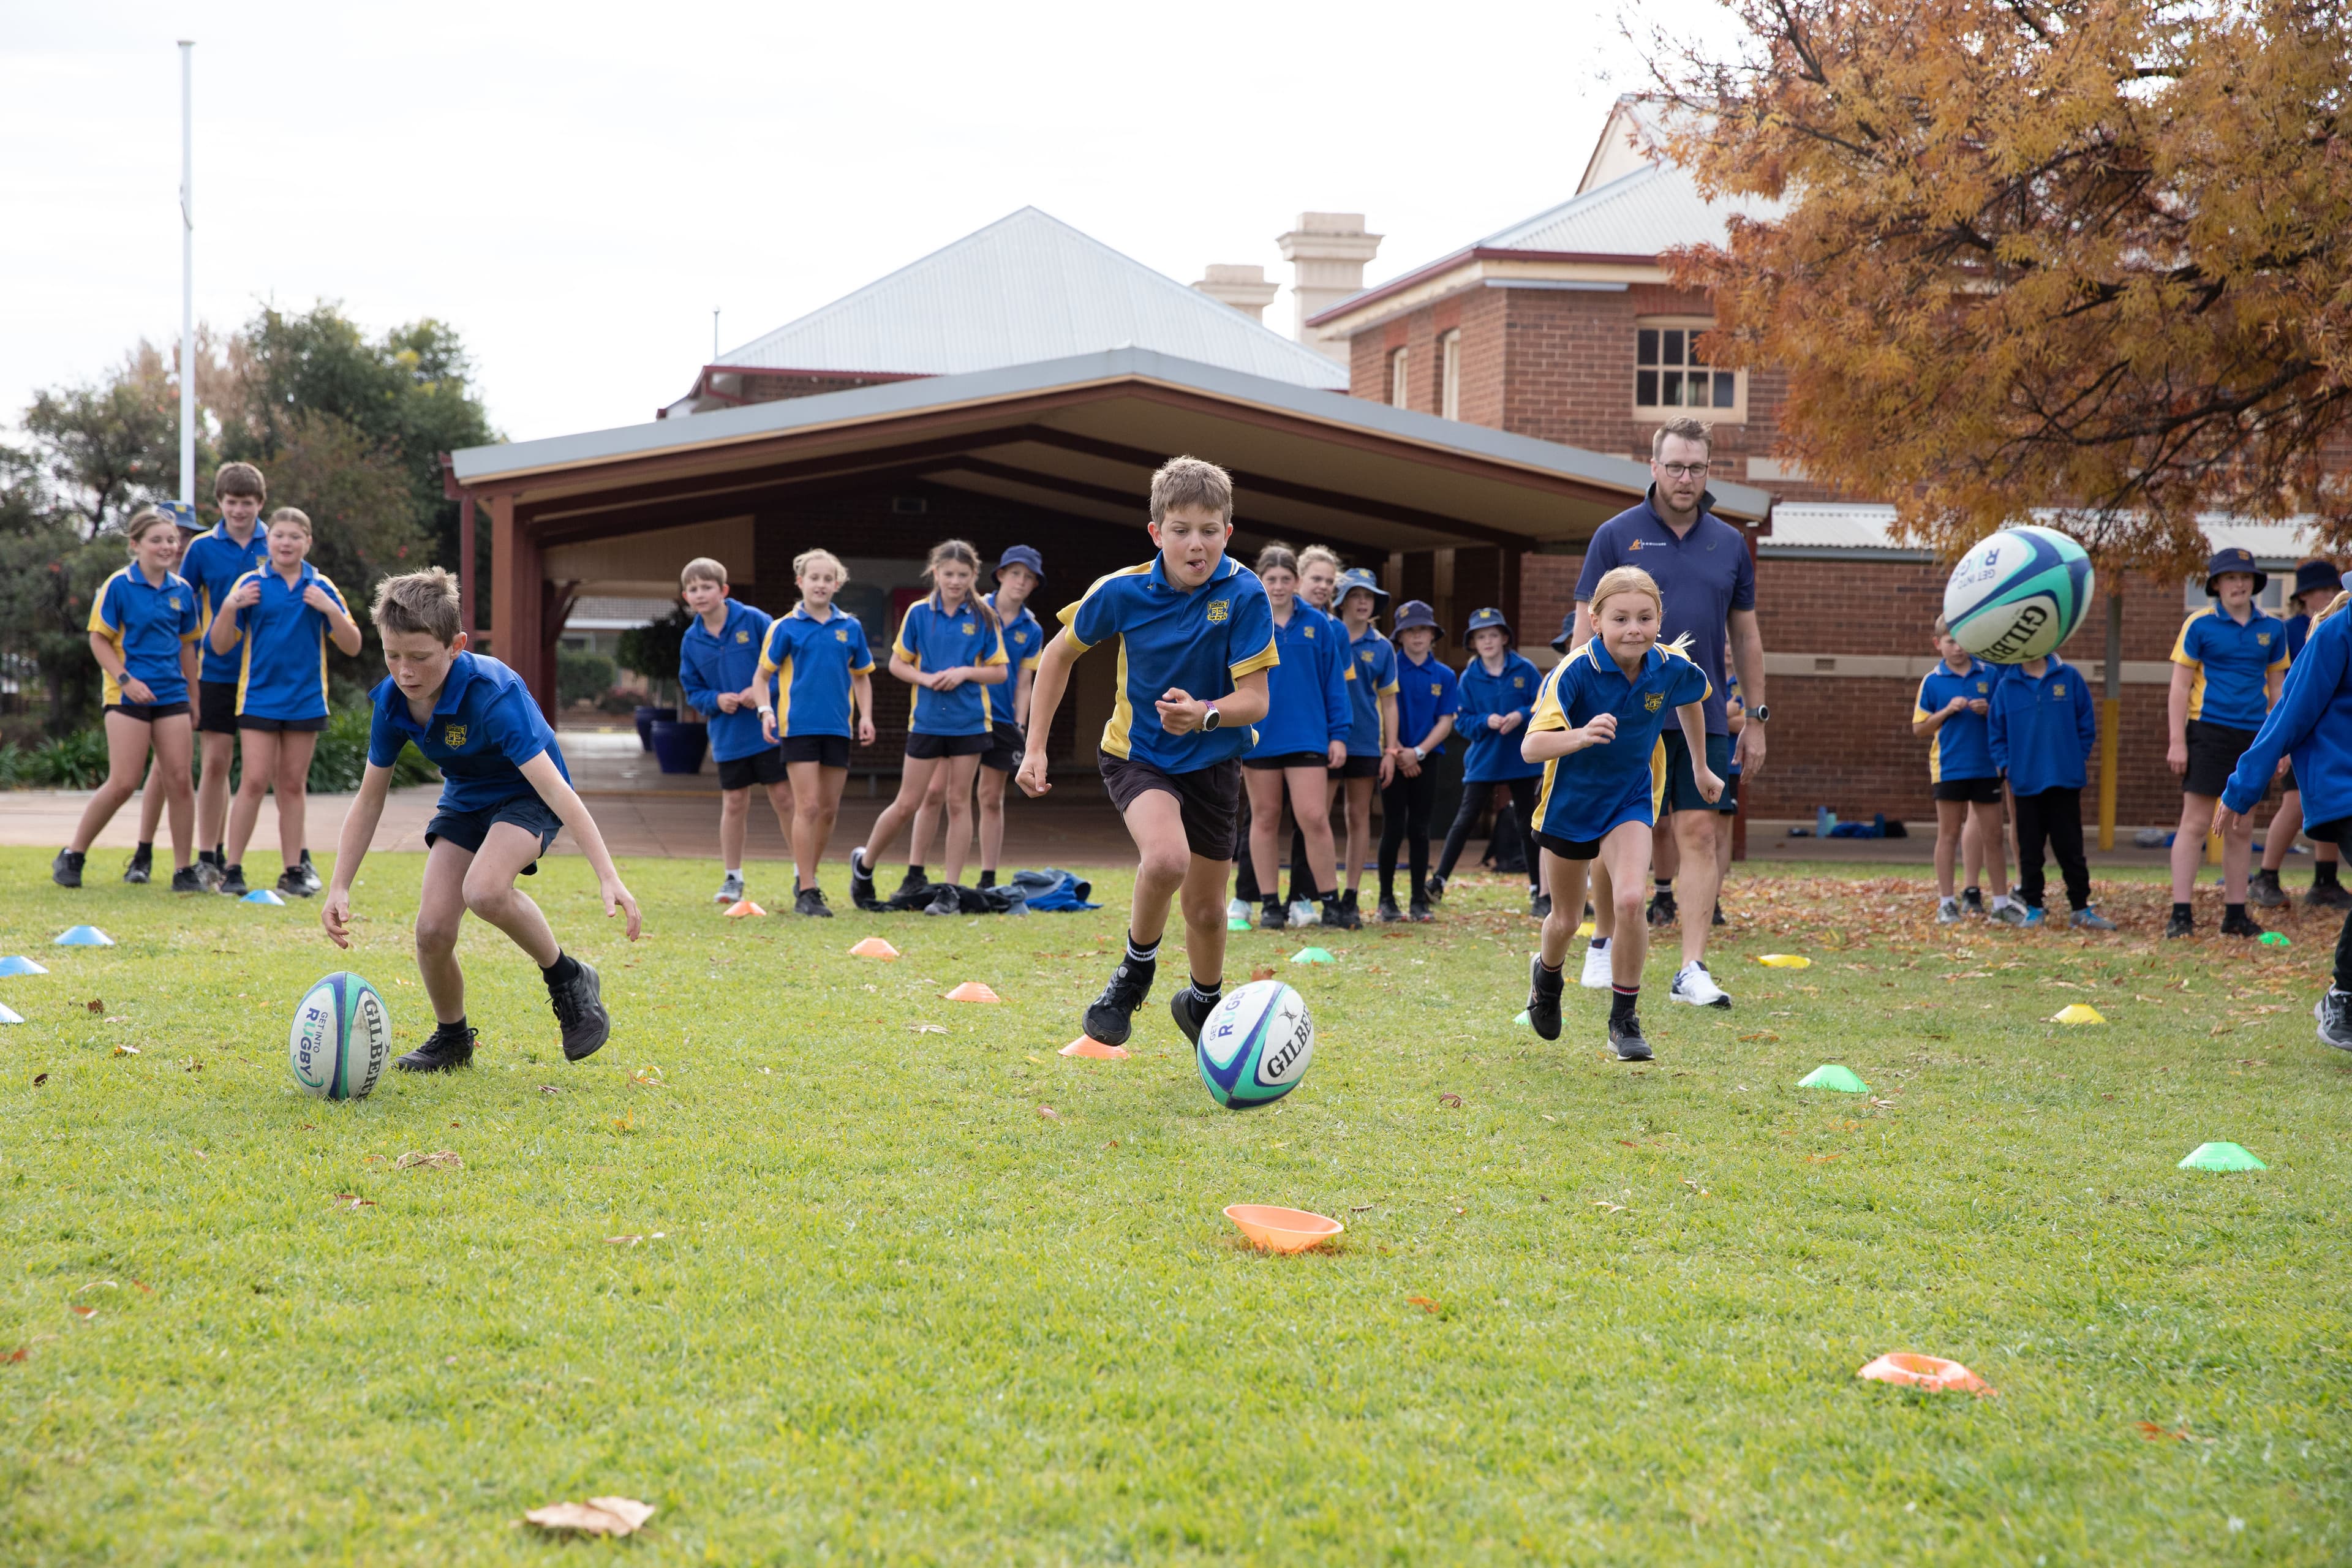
[1262,972]
[549,1088]
[597,1516]
[84,1313]
[144,1289]
[1607,1208]
[439,1160]
[624,1123]
[1451,1098]
[1760,1035]
[1821,1159]
[126,1050]
[95,1006]
[2156,1434]
[647,1078]
[1049,1113]
[39,1078]
[351,1201]
[633,1240]
[928,1028]
[1423,1303]
[17,1354]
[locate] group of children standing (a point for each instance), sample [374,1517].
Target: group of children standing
[221,635]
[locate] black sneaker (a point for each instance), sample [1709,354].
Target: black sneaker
[811,901]
[1662,911]
[580,1013]
[66,870]
[1719,916]
[2334,1012]
[1420,914]
[1433,892]
[2263,890]
[312,881]
[2181,925]
[2328,896]
[1972,901]
[1538,906]
[2238,922]
[291,881]
[188,879]
[141,871]
[1334,916]
[1274,915]
[208,872]
[1388,912]
[233,880]
[861,883]
[1627,1040]
[445,1050]
[913,881]
[944,901]
[1190,1012]
[1543,997]
[1111,1017]
[1350,915]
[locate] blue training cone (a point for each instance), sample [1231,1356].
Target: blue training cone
[16,963]
[83,936]
[262,896]
[9,1015]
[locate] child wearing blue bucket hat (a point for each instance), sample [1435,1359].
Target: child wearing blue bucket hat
[1498,694]
[1428,697]
[2227,662]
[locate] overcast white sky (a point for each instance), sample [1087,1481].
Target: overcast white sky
[573,187]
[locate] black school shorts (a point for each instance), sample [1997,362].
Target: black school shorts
[1985,791]
[282,726]
[1003,753]
[1570,849]
[2213,754]
[824,751]
[923,748]
[216,707]
[2339,833]
[1682,785]
[759,768]
[467,829]
[148,712]
[1358,767]
[1287,759]
[2287,781]
[1210,798]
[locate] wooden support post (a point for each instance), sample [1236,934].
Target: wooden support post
[2111,716]
[465,548]
[519,597]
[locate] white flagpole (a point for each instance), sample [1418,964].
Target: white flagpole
[188,274]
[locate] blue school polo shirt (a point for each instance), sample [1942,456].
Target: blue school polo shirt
[1961,747]
[484,727]
[2298,632]
[148,623]
[808,663]
[1489,757]
[213,562]
[2043,731]
[1025,642]
[282,673]
[2312,723]
[1376,676]
[1587,793]
[711,665]
[1704,575]
[1307,688]
[1425,693]
[1199,641]
[2231,664]
[932,639]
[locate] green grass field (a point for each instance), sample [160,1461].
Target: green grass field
[885,1308]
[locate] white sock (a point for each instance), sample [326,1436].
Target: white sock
[734,870]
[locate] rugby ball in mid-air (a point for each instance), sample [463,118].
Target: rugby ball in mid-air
[1254,1045]
[340,1039]
[2018,594]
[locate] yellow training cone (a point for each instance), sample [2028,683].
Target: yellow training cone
[1584,930]
[1784,961]
[2078,1013]
[873,947]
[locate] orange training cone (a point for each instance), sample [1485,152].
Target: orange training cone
[873,947]
[1087,1045]
[1931,1373]
[973,991]
[738,910]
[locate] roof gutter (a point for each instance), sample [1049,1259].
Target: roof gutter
[1464,258]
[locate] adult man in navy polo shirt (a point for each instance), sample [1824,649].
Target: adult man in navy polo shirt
[1702,569]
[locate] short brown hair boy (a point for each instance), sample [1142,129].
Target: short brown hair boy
[1189,481]
[426,602]
[703,569]
[239,480]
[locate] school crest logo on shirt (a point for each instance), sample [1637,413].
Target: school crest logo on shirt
[841,636]
[1983,686]
[742,637]
[1654,701]
[1435,689]
[1519,682]
[453,735]
[1218,610]
[2261,638]
[1310,633]
[173,601]
[971,630]
[2059,691]
[1366,656]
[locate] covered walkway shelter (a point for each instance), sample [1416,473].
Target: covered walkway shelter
[1056,455]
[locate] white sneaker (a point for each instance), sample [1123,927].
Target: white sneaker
[1695,985]
[1947,912]
[730,891]
[2006,912]
[1304,913]
[1237,911]
[1596,965]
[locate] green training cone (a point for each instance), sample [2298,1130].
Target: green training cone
[1234,922]
[2221,1157]
[1312,955]
[1523,1021]
[1831,1075]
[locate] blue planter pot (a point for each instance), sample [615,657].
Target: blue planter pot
[679,747]
[645,719]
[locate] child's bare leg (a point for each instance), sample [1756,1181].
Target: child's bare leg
[1359,829]
[1310,805]
[150,805]
[2188,844]
[169,781]
[1624,859]
[991,818]
[127,741]
[1164,858]
[914,783]
[780,801]
[1600,892]
[2285,822]
[1993,835]
[2237,855]
[1566,879]
[816,802]
[930,817]
[292,786]
[491,895]
[218,754]
[734,819]
[1264,786]
[958,772]
[260,766]
[440,912]
[1203,900]
[1951,827]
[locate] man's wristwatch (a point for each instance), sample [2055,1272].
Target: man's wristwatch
[1209,719]
[1760,714]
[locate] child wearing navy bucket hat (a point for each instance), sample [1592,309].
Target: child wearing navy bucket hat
[1371,735]
[1498,695]
[1428,697]
[2316,584]
[2227,662]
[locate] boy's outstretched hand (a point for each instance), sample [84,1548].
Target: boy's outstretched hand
[1710,787]
[617,899]
[1032,776]
[1180,712]
[335,915]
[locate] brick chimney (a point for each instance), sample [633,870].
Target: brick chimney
[1245,289]
[1329,251]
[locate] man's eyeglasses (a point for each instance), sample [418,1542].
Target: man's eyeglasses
[1683,471]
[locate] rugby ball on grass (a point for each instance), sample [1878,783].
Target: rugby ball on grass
[341,1038]
[1254,1045]
[2018,594]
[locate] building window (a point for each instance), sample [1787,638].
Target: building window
[1449,375]
[1396,380]
[1670,371]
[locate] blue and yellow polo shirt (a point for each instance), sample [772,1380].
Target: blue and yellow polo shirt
[1308,706]
[1200,641]
[1961,747]
[810,663]
[1587,793]
[1375,661]
[1426,692]
[485,726]
[211,563]
[2232,664]
[148,623]
[283,672]
[932,638]
[1025,643]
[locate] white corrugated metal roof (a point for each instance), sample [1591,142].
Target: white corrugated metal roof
[1028,287]
[1825,525]
[1651,209]
[604,613]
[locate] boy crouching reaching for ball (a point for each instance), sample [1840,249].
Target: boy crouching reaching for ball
[1595,728]
[504,796]
[1197,635]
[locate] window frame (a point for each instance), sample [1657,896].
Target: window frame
[1400,386]
[1449,373]
[1659,413]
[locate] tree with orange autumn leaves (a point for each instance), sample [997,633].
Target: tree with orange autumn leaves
[2094,256]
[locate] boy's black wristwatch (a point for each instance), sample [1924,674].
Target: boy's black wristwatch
[1209,719]
[1762,713]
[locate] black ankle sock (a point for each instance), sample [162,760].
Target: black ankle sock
[1273,905]
[457,1028]
[2322,874]
[561,972]
[1547,968]
[2180,911]
[1209,992]
[1621,1002]
[146,851]
[987,878]
[1137,953]
[1972,892]
[1665,886]
[2233,911]
[916,873]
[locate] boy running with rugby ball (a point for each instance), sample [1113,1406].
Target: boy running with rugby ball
[1197,635]
[505,795]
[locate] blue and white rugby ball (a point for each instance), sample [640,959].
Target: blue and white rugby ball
[341,1038]
[2018,594]
[1256,1044]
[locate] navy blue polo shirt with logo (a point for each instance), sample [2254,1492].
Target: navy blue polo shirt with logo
[1703,575]
[484,727]
[1199,641]
[148,623]
[933,638]
[212,564]
[710,665]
